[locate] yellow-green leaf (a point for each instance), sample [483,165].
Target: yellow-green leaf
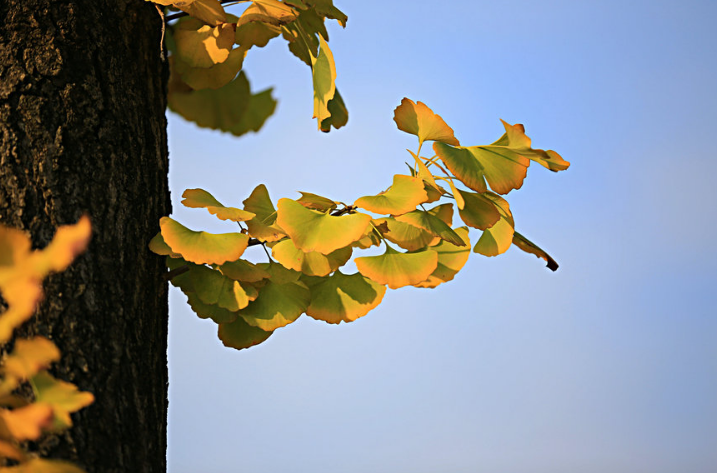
[239,334]
[262,227]
[403,196]
[434,225]
[398,269]
[417,119]
[199,198]
[327,9]
[62,396]
[271,12]
[315,231]
[255,34]
[208,11]
[210,311]
[312,263]
[202,247]
[158,246]
[213,287]
[40,465]
[529,247]
[212,77]
[200,45]
[405,235]
[324,76]
[316,202]
[498,238]
[451,259]
[479,211]
[339,114]
[244,271]
[516,139]
[29,356]
[343,297]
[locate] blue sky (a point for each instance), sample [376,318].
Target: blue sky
[609,364]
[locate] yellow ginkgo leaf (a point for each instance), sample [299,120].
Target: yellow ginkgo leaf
[199,198]
[342,297]
[529,247]
[244,271]
[479,211]
[316,231]
[498,238]
[212,287]
[29,356]
[398,269]
[312,263]
[239,334]
[262,227]
[28,422]
[203,310]
[202,247]
[62,396]
[270,12]
[200,45]
[403,196]
[407,236]
[324,79]
[430,222]
[316,202]
[256,34]
[212,77]
[22,296]
[417,119]
[41,465]
[451,259]
[158,246]
[68,242]
[209,11]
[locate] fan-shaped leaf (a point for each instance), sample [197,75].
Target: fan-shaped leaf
[315,231]
[403,196]
[433,224]
[210,311]
[209,11]
[479,211]
[158,246]
[200,45]
[239,334]
[199,198]
[451,259]
[417,119]
[313,263]
[202,247]
[212,77]
[212,287]
[516,139]
[262,227]
[497,239]
[316,202]
[29,356]
[324,77]
[398,269]
[26,423]
[62,396]
[270,12]
[327,9]
[529,247]
[255,34]
[342,297]
[244,271]
[405,235]
[339,114]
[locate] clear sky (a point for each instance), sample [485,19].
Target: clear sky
[607,365]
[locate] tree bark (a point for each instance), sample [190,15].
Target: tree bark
[83,130]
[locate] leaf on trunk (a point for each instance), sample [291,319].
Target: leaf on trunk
[62,396]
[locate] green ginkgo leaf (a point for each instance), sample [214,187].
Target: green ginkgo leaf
[261,106]
[433,224]
[316,231]
[313,263]
[262,227]
[516,139]
[202,247]
[158,246]
[200,45]
[199,198]
[451,259]
[209,11]
[255,34]
[280,302]
[239,334]
[302,35]
[339,114]
[405,235]
[342,297]
[270,12]
[417,119]
[323,72]
[398,269]
[403,196]
[62,396]
[212,287]
[316,202]
[210,311]
[213,77]
[479,211]
[327,9]
[244,271]
[529,247]
[498,238]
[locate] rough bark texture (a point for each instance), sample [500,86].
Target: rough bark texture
[83,130]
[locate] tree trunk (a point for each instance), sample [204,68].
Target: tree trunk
[83,130]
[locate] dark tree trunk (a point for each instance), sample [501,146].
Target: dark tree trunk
[83,130]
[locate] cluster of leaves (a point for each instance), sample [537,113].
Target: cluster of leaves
[312,237]
[21,273]
[208,46]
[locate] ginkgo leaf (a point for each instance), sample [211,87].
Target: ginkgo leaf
[403,196]
[339,114]
[62,396]
[479,211]
[324,76]
[498,238]
[451,259]
[271,12]
[29,356]
[405,235]
[255,34]
[68,242]
[327,9]
[516,139]
[261,106]
[202,247]
[244,271]
[212,287]
[212,77]
[316,231]
[26,423]
[313,263]
[200,45]
[199,198]
[316,202]
[14,247]
[417,119]
[262,227]
[398,269]
[239,334]
[209,11]
[203,310]
[158,246]
[41,465]
[433,224]
[343,297]
[281,300]
[529,247]
[22,296]
[460,201]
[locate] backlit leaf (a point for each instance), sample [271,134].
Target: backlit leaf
[516,139]
[529,247]
[451,259]
[315,231]
[62,396]
[313,263]
[324,76]
[239,334]
[479,210]
[463,165]
[241,270]
[327,9]
[417,119]
[212,77]
[342,297]
[498,238]
[271,12]
[212,287]
[261,106]
[158,246]
[262,227]
[202,247]
[316,202]
[209,11]
[405,235]
[255,34]
[339,114]
[398,269]
[200,45]
[210,311]
[433,224]
[403,196]
[199,198]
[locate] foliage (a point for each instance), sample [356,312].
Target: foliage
[21,273]
[311,238]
